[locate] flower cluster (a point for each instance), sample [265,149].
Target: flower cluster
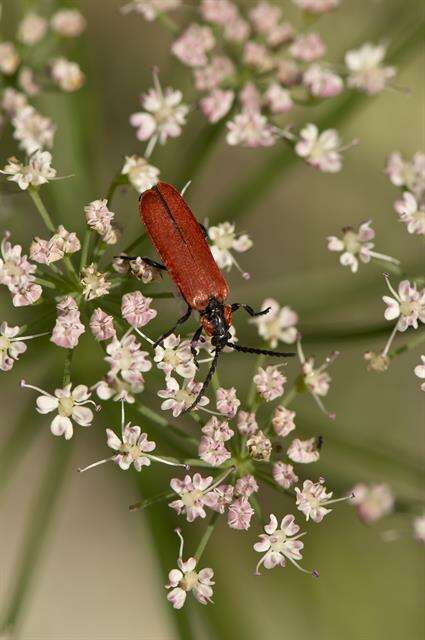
[409,176]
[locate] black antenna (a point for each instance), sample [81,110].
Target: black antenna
[206,381]
[264,352]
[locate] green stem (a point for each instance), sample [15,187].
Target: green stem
[85,250]
[409,345]
[290,396]
[250,191]
[207,535]
[148,502]
[35,196]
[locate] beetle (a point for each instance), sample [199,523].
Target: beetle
[180,241]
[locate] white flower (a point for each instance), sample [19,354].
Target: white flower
[13,100]
[311,500]
[132,449]
[117,389]
[270,382]
[420,372]
[373,502]
[33,130]
[67,75]
[217,104]
[224,240]
[68,23]
[322,151]
[38,170]
[279,324]
[192,495]
[284,475]
[95,283]
[192,46]
[141,174]
[278,98]
[283,421]
[175,355]
[411,213]
[250,129]
[135,309]
[405,173]
[365,68]
[69,404]
[179,399]
[150,9]
[126,358]
[321,82]
[280,544]
[317,381]
[32,29]
[163,116]
[9,58]
[17,274]
[185,579]
[11,346]
[304,451]
[408,305]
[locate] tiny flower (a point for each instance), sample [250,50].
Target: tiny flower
[283,421]
[317,381]
[227,402]
[32,29]
[163,116]
[247,424]
[126,358]
[135,308]
[378,362]
[179,399]
[11,346]
[411,213]
[311,500]
[259,447]
[217,104]
[250,129]
[289,72]
[258,56]
[102,325]
[210,77]
[67,75]
[141,174]
[192,47]
[308,47]
[192,495]
[38,170]
[68,328]
[240,514]
[224,241]
[321,82]
[9,58]
[270,382]
[420,372]
[366,69]
[185,579]
[27,82]
[175,355]
[95,284]
[322,151]
[408,305]
[405,173]
[33,130]
[69,404]
[99,219]
[304,451]
[17,274]
[220,498]
[419,528]
[278,98]
[213,451]
[68,23]
[284,475]
[317,6]
[373,502]
[115,388]
[218,429]
[219,12]
[246,486]
[279,324]
[280,544]
[138,268]
[357,245]
[65,241]
[265,16]
[13,101]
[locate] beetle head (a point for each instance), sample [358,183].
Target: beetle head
[216,321]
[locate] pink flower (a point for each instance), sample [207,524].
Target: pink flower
[126,358]
[217,104]
[175,355]
[270,382]
[135,308]
[246,486]
[420,372]
[179,399]
[213,451]
[288,73]
[192,495]
[115,388]
[11,346]
[250,129]
[283,421]
[68,329]
[304,451]
[411,213]
[317,6]
[284,475]
[259,446]
[366,69]
[321,151]
[408,305]
[250,98]
[99,217]
[102,325]
[311,500]
[407,173]
[17,274]
[219,498]
[95,284]
[265,17]
[227,402]
[185,579]
[219,11]
[373,502]
[321,82]
[191,48]
[278,99]
[278,325]
[247,424]
[258,56]
[240,514]
[132,449]
[317,381]
[213,74]
[308,47]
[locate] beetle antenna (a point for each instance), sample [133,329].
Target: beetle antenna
[207,380]
[264,352]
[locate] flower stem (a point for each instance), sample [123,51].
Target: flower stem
[85,250]
[35,196]
[148,502]
[207,535]
[290,396]
[415,341]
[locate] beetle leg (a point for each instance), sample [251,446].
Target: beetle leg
[249,309]
[149,261]
[181,320]
[193,342]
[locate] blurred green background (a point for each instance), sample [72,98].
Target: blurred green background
[98,571]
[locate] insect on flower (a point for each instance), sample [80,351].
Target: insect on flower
[180,241]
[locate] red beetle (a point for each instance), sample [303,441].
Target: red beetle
[180,241]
